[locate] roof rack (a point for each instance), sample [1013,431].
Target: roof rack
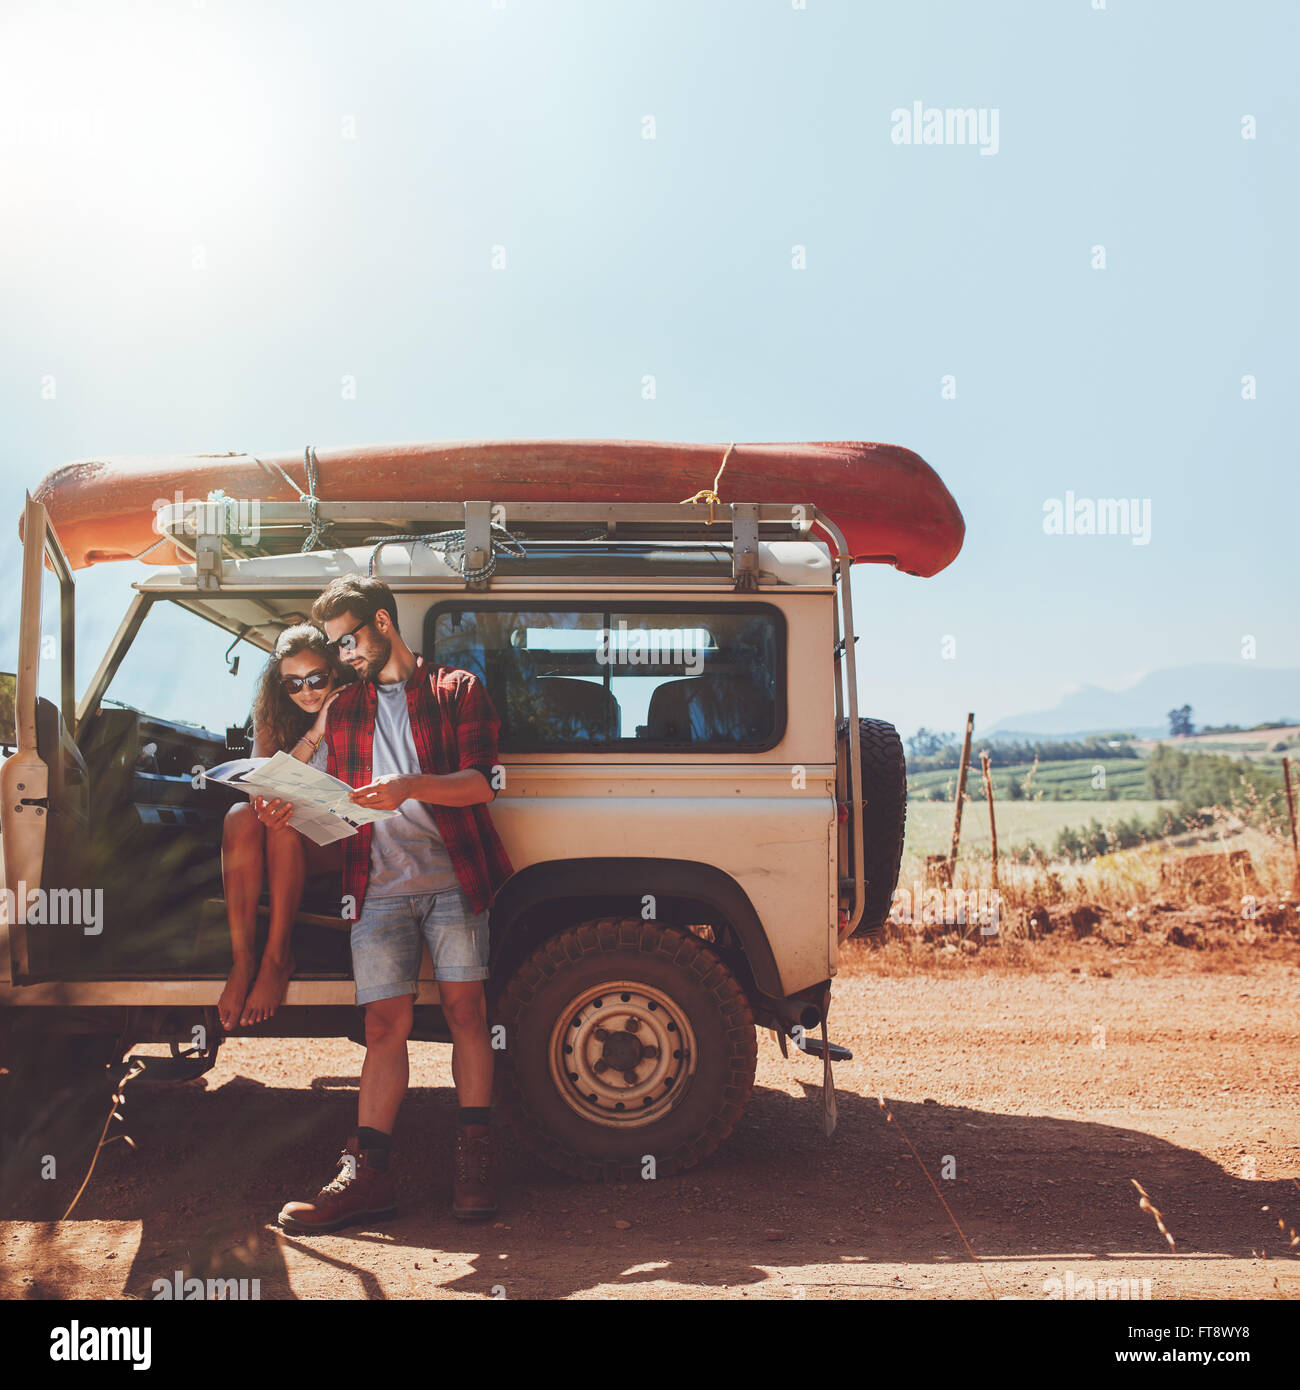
[214,532]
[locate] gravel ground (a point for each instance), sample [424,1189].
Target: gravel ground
[1033,1096]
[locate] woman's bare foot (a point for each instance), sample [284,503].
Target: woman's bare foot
[268,991]
[231,1003]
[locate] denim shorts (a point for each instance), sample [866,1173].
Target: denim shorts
[388,935]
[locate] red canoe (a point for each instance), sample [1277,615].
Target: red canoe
[891,505]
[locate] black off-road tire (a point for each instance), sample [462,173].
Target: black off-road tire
[884,819]
[583,959]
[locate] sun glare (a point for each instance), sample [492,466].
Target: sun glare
[147,137]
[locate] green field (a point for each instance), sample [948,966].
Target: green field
[1066,781]
[929,823]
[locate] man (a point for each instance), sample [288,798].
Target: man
[421,741]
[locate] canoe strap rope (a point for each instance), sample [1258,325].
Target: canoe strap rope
[316,527]
[452,546]
[149,549]
[710,494]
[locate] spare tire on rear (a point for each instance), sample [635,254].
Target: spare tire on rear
[884,819]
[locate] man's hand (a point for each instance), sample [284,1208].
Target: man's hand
[383,794]
[274,813]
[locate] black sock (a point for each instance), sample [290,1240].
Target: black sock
[475,1115]
[374,1139]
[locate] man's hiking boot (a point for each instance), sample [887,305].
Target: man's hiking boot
[358,1192]
[474,1196]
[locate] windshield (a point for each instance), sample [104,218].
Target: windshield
[177,669]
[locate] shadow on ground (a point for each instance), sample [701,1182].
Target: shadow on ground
[211,1169]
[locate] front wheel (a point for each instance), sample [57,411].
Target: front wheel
[630,1049]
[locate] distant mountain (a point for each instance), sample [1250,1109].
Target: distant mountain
[1237,693]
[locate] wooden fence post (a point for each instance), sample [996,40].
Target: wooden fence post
[1290,811]
[993,824]
[961,795]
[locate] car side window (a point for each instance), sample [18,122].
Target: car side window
[596,677]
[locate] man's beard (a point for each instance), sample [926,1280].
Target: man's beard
[377,663]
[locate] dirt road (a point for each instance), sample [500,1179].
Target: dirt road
[1033,1098]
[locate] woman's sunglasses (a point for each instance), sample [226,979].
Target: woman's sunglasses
[318,680]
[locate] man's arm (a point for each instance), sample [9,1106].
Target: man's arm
[476,731]
[476,746]
[465,788]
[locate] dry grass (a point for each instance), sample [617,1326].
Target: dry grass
[1175,904]
[1132,877]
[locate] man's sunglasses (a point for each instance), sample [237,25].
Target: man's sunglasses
[318,680]
[348,641]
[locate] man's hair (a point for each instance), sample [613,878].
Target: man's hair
[363,598]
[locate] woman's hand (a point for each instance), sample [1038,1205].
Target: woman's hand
[322,714]
[383,794]
[272,814]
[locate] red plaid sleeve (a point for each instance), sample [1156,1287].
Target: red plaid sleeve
[477,726]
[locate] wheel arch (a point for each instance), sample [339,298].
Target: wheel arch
[539,900]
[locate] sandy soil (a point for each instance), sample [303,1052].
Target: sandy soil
[1041,1092]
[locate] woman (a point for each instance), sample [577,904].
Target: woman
[289,712]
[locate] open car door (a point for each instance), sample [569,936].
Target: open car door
[44,811]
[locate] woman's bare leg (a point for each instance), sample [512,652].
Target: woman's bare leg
[243,839]
[286,869]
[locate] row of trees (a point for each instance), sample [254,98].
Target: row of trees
[939,750]
[1205,779]
[933,752]
[1180,723]
[1088,841]
[1265,727]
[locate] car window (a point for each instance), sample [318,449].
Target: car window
[591,677]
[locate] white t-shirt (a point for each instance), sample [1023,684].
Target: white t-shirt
[407,855]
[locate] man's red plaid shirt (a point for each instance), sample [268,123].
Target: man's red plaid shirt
[454,727]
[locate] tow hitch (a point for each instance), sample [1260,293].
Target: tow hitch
[829,1052]
[814,1047]
[830,1114]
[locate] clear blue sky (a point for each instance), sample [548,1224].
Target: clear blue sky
[132,134]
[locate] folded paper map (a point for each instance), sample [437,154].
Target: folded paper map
[321,809]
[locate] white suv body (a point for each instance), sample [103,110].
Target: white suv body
[675,788]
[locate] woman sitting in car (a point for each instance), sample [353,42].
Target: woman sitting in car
[289,711]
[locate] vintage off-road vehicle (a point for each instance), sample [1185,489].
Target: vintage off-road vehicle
[696,815]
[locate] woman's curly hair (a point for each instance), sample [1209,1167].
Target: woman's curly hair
[275,715]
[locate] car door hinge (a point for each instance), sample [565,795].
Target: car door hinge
[40,804]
